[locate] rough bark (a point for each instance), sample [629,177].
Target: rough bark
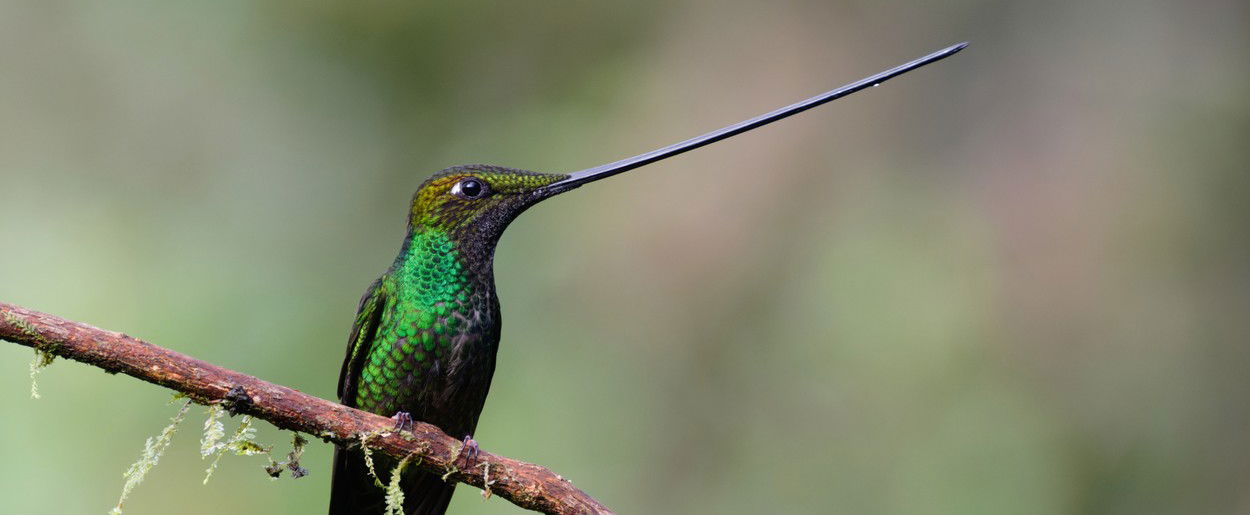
[524,484]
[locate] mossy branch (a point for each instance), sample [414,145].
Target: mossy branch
[526,485]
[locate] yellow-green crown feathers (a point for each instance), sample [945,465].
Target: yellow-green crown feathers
[459,197]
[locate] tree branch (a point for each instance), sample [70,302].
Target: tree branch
[526,485]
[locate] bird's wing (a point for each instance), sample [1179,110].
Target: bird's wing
[368,315]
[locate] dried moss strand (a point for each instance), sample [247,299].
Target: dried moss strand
[364,448]
[395,494]
[41,360]
[153,448]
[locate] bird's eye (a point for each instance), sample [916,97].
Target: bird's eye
[470,188]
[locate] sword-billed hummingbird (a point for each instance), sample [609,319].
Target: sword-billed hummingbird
[424,340]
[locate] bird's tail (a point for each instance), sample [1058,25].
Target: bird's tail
[354,492]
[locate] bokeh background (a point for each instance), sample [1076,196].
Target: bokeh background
[1013,282]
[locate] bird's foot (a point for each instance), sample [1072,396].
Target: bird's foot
[403,421]
[469,450]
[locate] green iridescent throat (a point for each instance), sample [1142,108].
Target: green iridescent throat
[429,289]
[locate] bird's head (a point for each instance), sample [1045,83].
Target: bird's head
[473,204]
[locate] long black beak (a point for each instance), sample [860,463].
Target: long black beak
[579,178]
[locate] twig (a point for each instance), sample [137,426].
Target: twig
[524,484]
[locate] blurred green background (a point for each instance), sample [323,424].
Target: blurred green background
[1014,282]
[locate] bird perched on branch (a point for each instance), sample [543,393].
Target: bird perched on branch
[426,332]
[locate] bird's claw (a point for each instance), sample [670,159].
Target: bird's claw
[470,450]
[403,421]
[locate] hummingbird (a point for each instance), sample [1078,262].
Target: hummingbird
[426,332]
